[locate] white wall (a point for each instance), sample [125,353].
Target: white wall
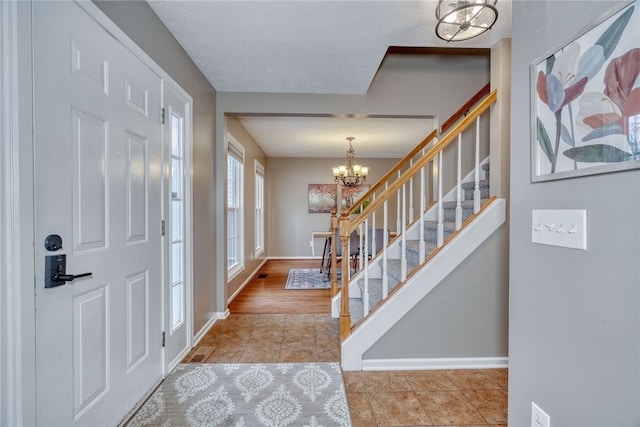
[574,315]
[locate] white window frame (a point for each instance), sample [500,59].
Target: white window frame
[259,208]
[236,151]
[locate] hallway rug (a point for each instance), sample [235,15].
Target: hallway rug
[307,278]
[248,395]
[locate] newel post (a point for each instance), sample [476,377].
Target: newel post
[334,248]
[345,316]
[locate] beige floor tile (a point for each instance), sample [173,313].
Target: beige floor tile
[449,408]
[260,356]
[299,339]
[501,376]
[353,382]
[360,409]
[222,355]
[473,379]
[385,381]
[297,356]
[492,404]
[332,355]
[429,380]
[398,408]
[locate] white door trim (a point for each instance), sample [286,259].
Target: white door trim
[9,271]
[169,365]
[17,327]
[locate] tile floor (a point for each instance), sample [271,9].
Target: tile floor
[380,398]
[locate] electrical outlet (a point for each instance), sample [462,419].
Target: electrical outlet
[539,418]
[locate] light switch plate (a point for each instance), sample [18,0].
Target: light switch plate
[565,228]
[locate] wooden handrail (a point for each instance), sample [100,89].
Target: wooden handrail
[394,170]
[348,226]
[422,161]
[466,107]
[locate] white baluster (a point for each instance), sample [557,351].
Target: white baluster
[476,191]
[363,249]
[385,245]
[374,247]
[403,261]
[360,256]
[423,202]
[411,193]
[459,186]
[398,216]
[440,228]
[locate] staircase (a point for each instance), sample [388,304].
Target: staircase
[394,264]
[423,248]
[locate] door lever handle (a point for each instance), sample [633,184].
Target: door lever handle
[69,277]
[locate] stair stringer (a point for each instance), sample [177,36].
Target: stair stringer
[420,284]
[393,251]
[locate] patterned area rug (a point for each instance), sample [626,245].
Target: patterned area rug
[248,395]
[307,278]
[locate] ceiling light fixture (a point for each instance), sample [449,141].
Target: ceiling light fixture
[464,19]
[350,174]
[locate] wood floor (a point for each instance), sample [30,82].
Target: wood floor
[267,295]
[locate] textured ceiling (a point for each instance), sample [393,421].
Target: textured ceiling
[312,46]
[305,46]
[326,136]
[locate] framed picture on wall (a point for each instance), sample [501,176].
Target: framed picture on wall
[322,197]
[350,195]
[586,101]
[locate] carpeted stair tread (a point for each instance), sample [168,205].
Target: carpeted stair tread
[356,309]
[465,204]
[449,226]
[472,185]
[486,166]
[375,290]
[414,246]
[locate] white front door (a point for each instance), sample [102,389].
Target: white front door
[178,248]
[98,168]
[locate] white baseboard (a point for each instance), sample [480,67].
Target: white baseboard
[432,364]
[221,315]
[246,282]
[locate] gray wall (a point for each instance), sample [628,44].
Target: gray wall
[290,223]
[574,336]
[466,315]
[140,23]
[252,152]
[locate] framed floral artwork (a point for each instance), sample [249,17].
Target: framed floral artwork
[322,197]
[586,102]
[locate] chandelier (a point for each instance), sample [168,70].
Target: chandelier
[350,174]
[464,19]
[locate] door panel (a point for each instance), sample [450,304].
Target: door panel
[90,348]
[137,171]
[98,163]
[91,151]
